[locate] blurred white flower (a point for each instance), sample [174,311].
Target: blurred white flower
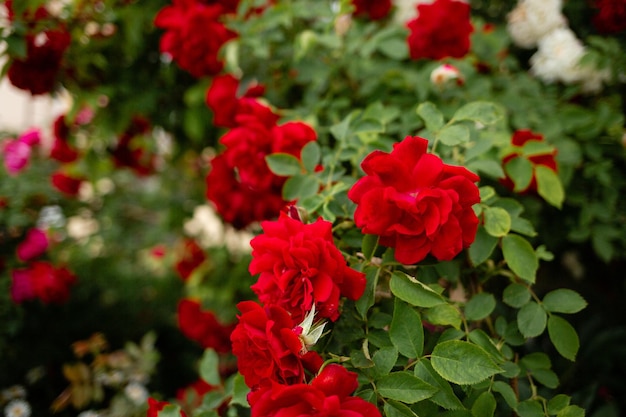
[531,20]
[89,413]
[13,392]
[557,57]
[136,393]
[17,408]
[444,73]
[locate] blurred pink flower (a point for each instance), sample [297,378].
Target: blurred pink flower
[16,152]
[34,244]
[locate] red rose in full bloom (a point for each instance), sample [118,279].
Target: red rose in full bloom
[547,158]
[34,244]
[416,203]
[441,29]
[223,98]
[299,265]
[611,17]
[202,326]
[155,406]
[194,35]
[268,348]
[373,9]
[41,280]
[327,395]
[66,184]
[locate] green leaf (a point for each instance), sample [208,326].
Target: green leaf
[444,315]
[483,112]
[480,306]
[536,360]
[520,257]
[485,405]
[433,119]
[520,171]
[402,386]
[546,377]
[384,359]
[397,409]
[463,363]
[549,186]
[558,403]
[209,367]
[368,245]
[482,339]
[300,186]
[523,227]
[406,330]
[530,408]
[445,396]
[240,391]
[571,411]
[310,156]
[367,299]
[564,300]
[169,410]
[341,129]
[283,164]
[453,135]
[531,319]
[413,291]
[497,221]
[483,246]
[563,337]
[516,295]
[367,126]
[487,166]
[506,392]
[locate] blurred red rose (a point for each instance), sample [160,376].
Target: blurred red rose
[611,16]
[41,280]
[299,265]
[268,348]
[546,158]
[34,244]
[130,152]
[189,256]
[441,29]
[224,100]
[373,9]
[202,326]
[61,150]
[66,184]
[416,203]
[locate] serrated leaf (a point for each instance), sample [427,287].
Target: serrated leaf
[463,363]
[564,300]
[413,291]
[506,392]
[402,386]
[444,315]
[558,403]
[397,409]
[483,246]
[516,295]
[368,245]
[571,411]
[536,360]
[483,112]
[546,377]
[283,164]
[452,135]
[300,186]
[310,155]
[406,330]
[480,306]
[485,405]
[482,339]
[520,257]
[531,319]
[530,408]
[384,359]
[523,227]
[563,337]
[209,367]
[445,396]
[497,221]
[367,299]
[433,119]
[520,171]
[549,186]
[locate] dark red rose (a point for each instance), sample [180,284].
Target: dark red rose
[373,9]
[545,158]
[203,326]
[34,244]
[226,103]
[194,35]
[42,280]
[37,72]
[441,29]
[327,395]
[155,406]
[61,149]
[131,151]
[267,347]
[299,265]
[611,16]
[189,256]
[66,184]
[416,203]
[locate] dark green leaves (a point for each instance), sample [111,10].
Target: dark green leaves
[406,331]
[563,337]
[564,301]
[413,291]
[402,386]
[463,363]
[520,257]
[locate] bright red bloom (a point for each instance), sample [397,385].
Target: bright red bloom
[194,35]
[299,265]
[66,184]
[34,244]
[373,9]
[155,406]
[61,149]
[328,395]
[42,280]
[441,29]
[268,348]
[546,158]
[611,17]
[202,326]
[223,98]
[130,151]
[416,203]
[190,256]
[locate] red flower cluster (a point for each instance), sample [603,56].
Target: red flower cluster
[329,394]
[130,152]
[268,347]
[190,256]
[373,9]
[194,34]
[202,326]
[240,183]
[547,159]
[43,281]
[611,17]
[416,203]
[300,268]
[222,97]
[441,29]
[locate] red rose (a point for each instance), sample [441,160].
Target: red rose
[61,150]
[155,406]
[194,35]
[267,347]
[546,158]
[327,395]
[190,256]
[202,326]
[34,244]
[299,265]
[373,9]
[222,97]
[441,29]
[611,17]
[66,184]
[416,203]
[130,152]
[41,280]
